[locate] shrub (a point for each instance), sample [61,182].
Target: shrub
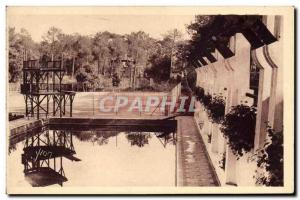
[199,92]
[209,138]
[222,162]
[239,128]
[206,100]
[270,160]
[216,109]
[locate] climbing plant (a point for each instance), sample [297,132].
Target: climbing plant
[239,129]
[270,160]
[206,100]
[222,162]
[216,109]
[209,138]
[199,92]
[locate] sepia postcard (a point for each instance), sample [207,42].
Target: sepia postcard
[150,100]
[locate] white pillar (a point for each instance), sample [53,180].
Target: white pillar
[231,159]
[215,138]
[230,167]
[239,84]
[263,99]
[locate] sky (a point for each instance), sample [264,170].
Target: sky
[88,24]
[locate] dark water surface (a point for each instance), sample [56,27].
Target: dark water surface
[98,157]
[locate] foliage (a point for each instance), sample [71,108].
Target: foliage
[164,60]
[222,162]
[104,52]
[100,50]
[216,109]
[19,44]
[86,74]
[140,47]
[138,138]
[160,68]
[115,80]
[191,77]
[215,106]
[199,92]
[95,137]
[270,160]
[209,138]
[185,87]
[51,42]
[239,128]
[206,100]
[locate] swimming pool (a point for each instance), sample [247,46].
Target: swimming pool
[95,154]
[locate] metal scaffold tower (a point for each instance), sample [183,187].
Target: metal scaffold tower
[43,157]
[43,90]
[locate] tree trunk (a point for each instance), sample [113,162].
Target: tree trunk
[98,65]
[103,66]
[73,67]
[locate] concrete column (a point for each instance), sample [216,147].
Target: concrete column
[215,138]
[275,59]
[207,124]
[215,79]
[210,80]
[199,77]
[218,141]
[231,160]
[230,167]
[270,93]
[264,91]
[202,77]
[239,84]
[227,79]
[205,78]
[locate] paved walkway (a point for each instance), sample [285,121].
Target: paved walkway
[194,166]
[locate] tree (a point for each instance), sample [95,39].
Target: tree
[160,68]
[161,61]
[173,35]
[21,46]
[139,47]
[86,74]
[138,138]
[15,55]
[100,50]
[51,43]
[69,53]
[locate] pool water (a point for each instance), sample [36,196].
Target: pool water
[60,158]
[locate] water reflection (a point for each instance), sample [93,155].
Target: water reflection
[166,138]
[44,155]
[95,136]
[138,138]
